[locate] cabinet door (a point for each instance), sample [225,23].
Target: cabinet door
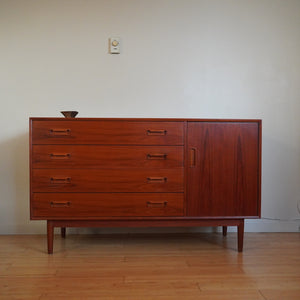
[223,169]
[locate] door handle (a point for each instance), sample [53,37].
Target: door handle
[156,179]
[157,204]
[60,155]
[192,157]
[60,131]
[60,180]
[157,156]
[60,204]
[156,132]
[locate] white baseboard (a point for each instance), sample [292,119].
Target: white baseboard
[269,225]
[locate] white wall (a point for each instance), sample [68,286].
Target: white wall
[180,58]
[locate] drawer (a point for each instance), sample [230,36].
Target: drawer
[107,180]
[93,205]
[106,132]
[98,156]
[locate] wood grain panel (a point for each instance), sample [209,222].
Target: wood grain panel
[57,205]
[107,180]
[107,132]
[96,156]
[223,171]
[151,266]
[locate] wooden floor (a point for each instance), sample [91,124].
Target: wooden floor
[151,266]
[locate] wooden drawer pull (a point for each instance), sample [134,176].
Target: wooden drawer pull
[60,155]
[60,204]
[60,132]
[156,132]
[61,180]
[157,204]
[157,156]
[192,157]
[156,179]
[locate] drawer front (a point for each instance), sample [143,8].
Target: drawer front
[107,132]
[55,206]
[107,180]
[96,156]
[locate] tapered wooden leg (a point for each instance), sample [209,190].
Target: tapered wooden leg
[224,230]
[63,232]
[241,236]
[50,234]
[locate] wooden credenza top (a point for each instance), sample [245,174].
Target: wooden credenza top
[143,119]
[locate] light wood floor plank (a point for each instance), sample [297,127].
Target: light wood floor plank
[153,266]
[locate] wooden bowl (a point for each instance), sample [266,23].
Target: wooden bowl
[70,114]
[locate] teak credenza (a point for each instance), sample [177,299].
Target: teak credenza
[97,172]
